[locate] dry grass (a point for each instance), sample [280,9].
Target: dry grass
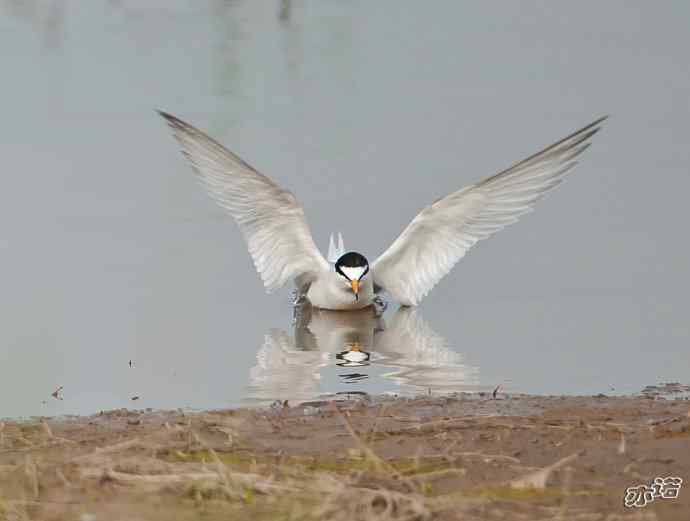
[175,474]
[211,466]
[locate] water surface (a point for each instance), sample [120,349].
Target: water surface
[112,253]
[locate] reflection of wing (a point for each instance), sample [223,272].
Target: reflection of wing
[423,356]
[269,216]
[284,371]
[441,234]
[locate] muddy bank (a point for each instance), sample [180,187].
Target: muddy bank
[460,457]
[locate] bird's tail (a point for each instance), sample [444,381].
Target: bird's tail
[335,252]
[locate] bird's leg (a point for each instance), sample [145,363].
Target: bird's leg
[380,305]
[298,300]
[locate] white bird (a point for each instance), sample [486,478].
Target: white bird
[282,248]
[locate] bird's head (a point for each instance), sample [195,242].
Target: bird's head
[352,267]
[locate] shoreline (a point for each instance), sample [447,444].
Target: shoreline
[467,456]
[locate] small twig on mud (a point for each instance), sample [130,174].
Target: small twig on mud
[32,473]
[417,456]
[87,472]
[51,436]
[448,448]
[223,473]
[621,445]
[47,429]
[109,449]
[435,423]
[247,480]
[379,464]
[374,427]
[566,494]
[538,479]
[56,393]
[30,502]
[487,457]
[66,483]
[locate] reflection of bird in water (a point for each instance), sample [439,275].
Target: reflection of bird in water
[282,247]
[289,367]
[353,356]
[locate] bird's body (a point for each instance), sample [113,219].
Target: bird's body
[282,248]
[328,292]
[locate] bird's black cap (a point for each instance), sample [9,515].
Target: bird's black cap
[352,259]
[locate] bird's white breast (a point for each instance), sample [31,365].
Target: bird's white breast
[331,291]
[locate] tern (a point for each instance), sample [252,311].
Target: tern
[282,248]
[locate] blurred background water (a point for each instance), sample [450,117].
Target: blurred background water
[111,252]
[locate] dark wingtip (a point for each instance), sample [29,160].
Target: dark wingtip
[173,121]
[595,125]
[600,120]
[584,133]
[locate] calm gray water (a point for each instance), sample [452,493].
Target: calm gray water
[367,111]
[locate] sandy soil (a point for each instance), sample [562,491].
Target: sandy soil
[459,457]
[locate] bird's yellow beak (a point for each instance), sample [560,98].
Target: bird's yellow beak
[355,288]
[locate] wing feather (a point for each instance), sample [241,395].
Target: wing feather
[441,234]
[270,217]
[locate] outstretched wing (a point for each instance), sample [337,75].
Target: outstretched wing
[442,233]
[270,218]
